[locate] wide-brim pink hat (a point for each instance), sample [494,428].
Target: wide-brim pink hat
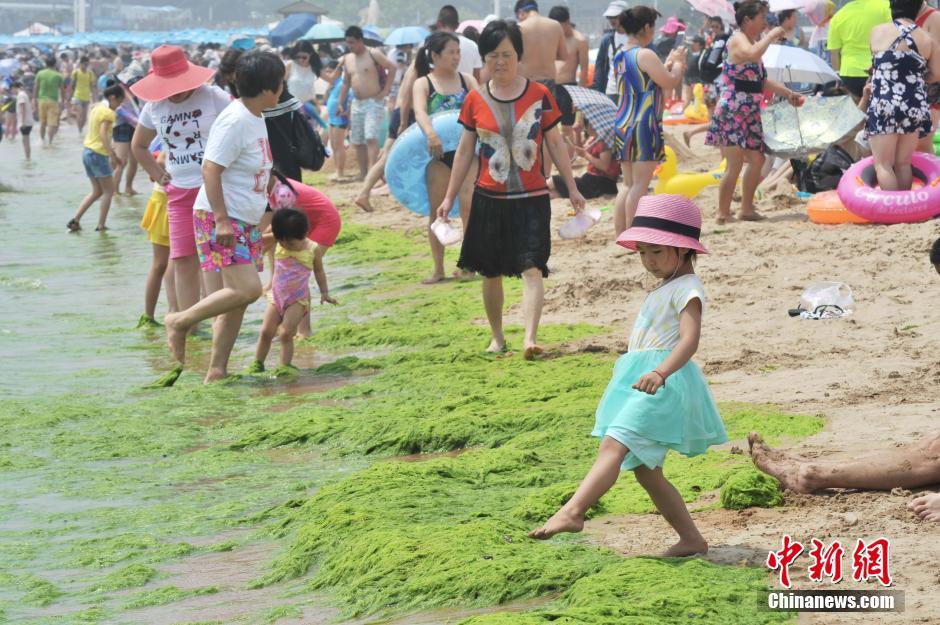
[672,220]
[171,73]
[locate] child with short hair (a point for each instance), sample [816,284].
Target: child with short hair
[658,398]
[23,115]
[99,157]
[289,297]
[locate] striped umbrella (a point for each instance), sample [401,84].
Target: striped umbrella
[598,110]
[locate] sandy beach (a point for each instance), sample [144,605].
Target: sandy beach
[873,376]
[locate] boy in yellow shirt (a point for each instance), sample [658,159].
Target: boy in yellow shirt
[95,157]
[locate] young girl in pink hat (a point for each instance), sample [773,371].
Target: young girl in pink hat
[658,398]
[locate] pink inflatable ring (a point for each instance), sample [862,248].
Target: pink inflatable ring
[859,193]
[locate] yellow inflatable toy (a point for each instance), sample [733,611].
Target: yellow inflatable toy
[689,185]
[696,111]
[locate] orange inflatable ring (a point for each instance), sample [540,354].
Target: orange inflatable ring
[679,120]
[827,208]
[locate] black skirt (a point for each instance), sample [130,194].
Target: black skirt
[507,237]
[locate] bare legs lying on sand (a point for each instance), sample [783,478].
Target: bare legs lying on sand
[911,466]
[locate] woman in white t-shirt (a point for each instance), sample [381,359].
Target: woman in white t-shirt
[181,109]
[228,209]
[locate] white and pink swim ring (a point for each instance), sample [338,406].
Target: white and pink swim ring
[860,194]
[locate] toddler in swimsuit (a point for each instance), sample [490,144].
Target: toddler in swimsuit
[289,297]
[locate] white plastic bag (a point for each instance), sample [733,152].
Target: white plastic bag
[825,299]
[578,225]
[445,233]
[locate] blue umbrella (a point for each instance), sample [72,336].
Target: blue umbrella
[371,36]
[325,33]
[292,27]
[407,35]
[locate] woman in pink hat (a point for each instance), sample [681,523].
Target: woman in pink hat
[180,108]
[658,398]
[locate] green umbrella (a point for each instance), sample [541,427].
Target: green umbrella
[325,33]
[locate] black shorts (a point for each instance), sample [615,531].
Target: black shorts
[589,185]
[122,133]
[394,121]
[565,105]
[25,130]
[854,85]
[448,158]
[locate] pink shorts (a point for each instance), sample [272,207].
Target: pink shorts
[179,209]
[214,257]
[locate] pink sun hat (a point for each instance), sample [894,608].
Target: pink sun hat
[672,26]
[672,220]
[171,73]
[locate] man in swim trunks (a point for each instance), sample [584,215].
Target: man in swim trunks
[543,43]
[369,74]
[567,71]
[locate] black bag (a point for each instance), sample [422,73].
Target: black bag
[304,142]
[712,59]
[824,173]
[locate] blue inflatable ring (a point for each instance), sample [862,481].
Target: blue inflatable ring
[406,166]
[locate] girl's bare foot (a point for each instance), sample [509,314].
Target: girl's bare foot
[532,351]
[383,190]
[687,136]
[496,346]
[130,191]
[363,202]
[337,177]
[751,216]
[685,548]
[777,464]
[725,219]
[561,521]
[214,375]
[926,507]
[175,337]
[433,279]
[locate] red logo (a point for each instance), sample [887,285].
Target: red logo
[868,560]
[784,558]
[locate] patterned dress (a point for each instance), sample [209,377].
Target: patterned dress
[638,125]
[898,90]
[736,121]
[291,277]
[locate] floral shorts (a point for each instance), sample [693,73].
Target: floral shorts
[214,257]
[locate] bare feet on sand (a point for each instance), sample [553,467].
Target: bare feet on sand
[363,203]
[383,190]
[175,337]
[788,470]
[561,521]
[532,352]
[685,548]
[752,216]
[725,219]
[687,136]
[337,177]
[434,278]
[927,507]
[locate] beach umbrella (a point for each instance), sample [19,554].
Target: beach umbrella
[8,67]
[464,25]
[325,33]
[291,27]
[792,64]
[597,109]
[407,35]
[791,132]
[371,36]
[712,8]
[782,5]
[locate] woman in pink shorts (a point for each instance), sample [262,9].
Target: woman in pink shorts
[325,224]
[181,109]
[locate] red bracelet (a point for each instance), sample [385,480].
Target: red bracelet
[657,372]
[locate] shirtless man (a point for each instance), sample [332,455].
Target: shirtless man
[566,72]
[543,43]
[367,110]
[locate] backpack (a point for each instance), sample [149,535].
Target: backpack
[712,59]
[825,172]
[304,142]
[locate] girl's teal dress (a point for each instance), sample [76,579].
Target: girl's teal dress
[682,415]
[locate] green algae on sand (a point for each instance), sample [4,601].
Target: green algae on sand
[165,595]
[751,489]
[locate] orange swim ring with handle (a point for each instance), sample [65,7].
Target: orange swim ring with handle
[826,208]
